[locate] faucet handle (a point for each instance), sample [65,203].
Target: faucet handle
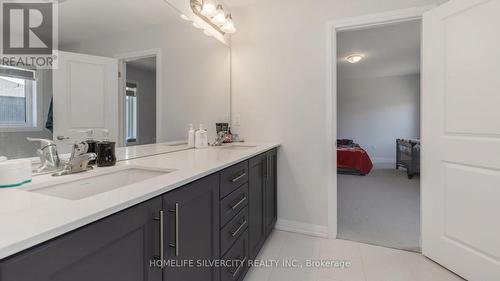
[79,148]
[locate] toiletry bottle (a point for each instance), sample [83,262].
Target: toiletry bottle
[191,136]
[106,152]
[92,145]
[229,136]
[201,138]
[204,138]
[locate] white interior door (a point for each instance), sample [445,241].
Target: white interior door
[461,138]
[85,96]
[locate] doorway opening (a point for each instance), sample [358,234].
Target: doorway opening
[139,96]
[378,135]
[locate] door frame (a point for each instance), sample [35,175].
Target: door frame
[122,68]
[354,23]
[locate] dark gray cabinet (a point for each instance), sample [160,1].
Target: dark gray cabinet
[236,260]
[118,247]
[257,184]
[263,199]
[228,214]
[271,192]
[191,219]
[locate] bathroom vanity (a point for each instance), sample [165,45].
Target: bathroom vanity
[212,205]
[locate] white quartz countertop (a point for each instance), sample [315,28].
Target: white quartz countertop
[28,218]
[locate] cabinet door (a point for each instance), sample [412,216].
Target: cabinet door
[119,247]
[271,192]
[192,230]
[256,181]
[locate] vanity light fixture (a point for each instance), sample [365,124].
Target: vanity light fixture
[208,8]
[214,15]
[228,27]
[220,16]
[354,58]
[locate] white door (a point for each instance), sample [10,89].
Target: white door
[85,96]
[461,138]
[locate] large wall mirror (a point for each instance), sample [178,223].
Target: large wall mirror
[131,67]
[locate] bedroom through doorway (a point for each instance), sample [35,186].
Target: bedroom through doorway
[378,131]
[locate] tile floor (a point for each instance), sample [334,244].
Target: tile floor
[368,263]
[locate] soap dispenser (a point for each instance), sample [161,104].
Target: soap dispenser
[92,144]
[106,151]
[191,136]
[201,138]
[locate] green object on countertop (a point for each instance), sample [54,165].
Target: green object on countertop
[15,185]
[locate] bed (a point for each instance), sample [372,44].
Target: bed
[352,159]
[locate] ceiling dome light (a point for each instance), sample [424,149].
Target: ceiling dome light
[220,16]
[354,58]
[228,27]
[208,9]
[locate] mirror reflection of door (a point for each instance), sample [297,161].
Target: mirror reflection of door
[140,101]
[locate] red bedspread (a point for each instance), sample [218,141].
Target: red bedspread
[354,158]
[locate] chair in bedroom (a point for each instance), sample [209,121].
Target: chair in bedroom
[408,156]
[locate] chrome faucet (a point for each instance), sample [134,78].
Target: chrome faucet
[79,160]
[49,158]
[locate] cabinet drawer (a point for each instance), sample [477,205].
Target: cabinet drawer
[233,230]
[233,204]
[237,256]
[232,178]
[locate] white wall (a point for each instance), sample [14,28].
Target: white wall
[376,111]
[279,91]
[196,73]
[146,96]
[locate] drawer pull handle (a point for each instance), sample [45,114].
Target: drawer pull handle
[239,177]
[235,273]
[240,228]
[161,219]
[243,200]
[176,244]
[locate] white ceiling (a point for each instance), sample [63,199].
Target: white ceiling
[389,51]
[84,19]
[147,64]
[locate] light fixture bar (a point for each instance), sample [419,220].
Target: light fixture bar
[197,6]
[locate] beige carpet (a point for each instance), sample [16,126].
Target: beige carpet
[382,208]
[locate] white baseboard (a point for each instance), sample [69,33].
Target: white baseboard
[302,228]
[382,160]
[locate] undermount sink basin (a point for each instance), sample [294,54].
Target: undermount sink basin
[96,184]
[237,146]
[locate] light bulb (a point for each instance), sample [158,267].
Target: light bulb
[208,9]
[354,58]
[228,27]
[184,17]
[219,17]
